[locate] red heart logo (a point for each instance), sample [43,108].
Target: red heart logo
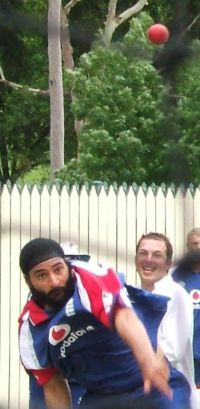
[57,335]
[196,295]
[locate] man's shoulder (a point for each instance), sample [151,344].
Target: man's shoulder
[33,313]
[180,297]
[167,286]
[179,288]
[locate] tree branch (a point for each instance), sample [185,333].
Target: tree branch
[112,9]
[24,88]
[70,5]
[2,73]
[127,14]
[113,21]
[190,25]
[68,61]
[110,24]
[67,50]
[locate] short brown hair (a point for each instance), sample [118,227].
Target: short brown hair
[196,231]
[158,236]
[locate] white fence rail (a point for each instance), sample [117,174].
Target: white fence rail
[104,221]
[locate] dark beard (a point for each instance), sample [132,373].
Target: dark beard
[56,298]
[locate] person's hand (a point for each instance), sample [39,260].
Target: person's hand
[157,375]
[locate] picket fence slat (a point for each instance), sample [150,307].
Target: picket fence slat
[103,224]
[104,221]
[74,215]
[35,213]
[160,203]
[93,224]
[83,240]
[170,217]
[5,299]
[197,208]
[141,213]
[111,217]
[54,212]
[64,216]
[179,238]
[131,241]
[121,231]
[188,212]
[44,213]
[150,211]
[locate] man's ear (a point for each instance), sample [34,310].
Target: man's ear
[169,264]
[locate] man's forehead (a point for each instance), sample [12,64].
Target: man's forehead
[47,263]
[194,238]
[152,244]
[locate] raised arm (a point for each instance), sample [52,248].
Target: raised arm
[154,367]
[57,393]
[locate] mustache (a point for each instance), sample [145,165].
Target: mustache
[56,291]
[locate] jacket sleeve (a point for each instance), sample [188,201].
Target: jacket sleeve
[176,328]
[33,349]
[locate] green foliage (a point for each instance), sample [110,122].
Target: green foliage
[24,117]
[40,174]
[135,127]
[188,89]
[24,130]
[118,95]
[110,159]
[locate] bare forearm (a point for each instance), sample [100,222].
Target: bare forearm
[57,394]
[153,366]
[132,331]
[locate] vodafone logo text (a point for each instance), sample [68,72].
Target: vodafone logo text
[73,337]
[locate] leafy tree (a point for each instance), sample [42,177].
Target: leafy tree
[27,21]
[21,141]
[155,141]
[177,162]
[188,90]
[114,144]
[24,117]
[118,95]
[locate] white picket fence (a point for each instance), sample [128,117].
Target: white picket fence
[105,222]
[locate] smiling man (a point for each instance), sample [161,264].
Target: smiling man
[153,259]
[175,335]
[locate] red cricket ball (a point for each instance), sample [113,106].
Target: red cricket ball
[158,34]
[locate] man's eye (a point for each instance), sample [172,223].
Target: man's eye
[59,269]
[41,276]
[158,255]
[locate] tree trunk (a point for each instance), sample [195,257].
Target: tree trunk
[55,87]
[68,61]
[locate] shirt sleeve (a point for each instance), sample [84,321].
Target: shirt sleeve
[176,328]
[33,349]
[100,291]
[42,376]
